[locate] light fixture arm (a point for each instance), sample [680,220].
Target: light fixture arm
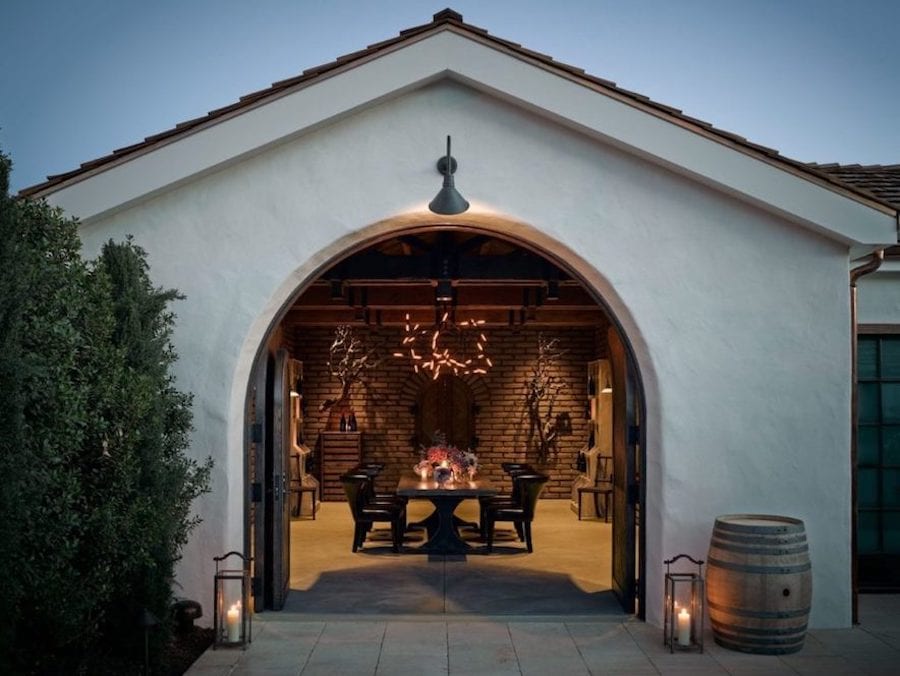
[447,161]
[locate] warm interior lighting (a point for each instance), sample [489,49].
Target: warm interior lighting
[607,388]
[449,347]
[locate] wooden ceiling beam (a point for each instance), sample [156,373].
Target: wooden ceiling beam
[480,296]
[497,317]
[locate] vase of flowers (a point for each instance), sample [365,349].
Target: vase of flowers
[443,474]
[444,456]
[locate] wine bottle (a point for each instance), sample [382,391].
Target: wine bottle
[343,423]
[351,424]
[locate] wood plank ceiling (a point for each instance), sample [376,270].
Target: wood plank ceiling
[492,280]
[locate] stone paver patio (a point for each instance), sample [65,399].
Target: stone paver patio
[559,646]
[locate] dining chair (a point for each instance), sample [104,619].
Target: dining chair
[530,488]
[602,487]
[513,466]
[366,513]
[514,470]
[370,471]
[298,487]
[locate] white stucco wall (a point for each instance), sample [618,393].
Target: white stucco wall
[739,320]
[879,296]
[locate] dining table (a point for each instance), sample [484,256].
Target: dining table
[442,525]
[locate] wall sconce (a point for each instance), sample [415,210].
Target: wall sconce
[683,617]
[448,201]
[232,616]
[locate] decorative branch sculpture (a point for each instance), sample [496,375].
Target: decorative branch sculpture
[348,359]
[542,390]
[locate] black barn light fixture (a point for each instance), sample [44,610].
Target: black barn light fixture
[448,201]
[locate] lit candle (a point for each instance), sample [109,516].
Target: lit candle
[684,627]
[233,623]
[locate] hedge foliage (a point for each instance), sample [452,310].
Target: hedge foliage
[96,487]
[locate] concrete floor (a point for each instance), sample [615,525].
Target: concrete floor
[568,572]
[550,612]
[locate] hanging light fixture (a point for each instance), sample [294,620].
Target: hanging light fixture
[451,348]
[443,292]
[337,289]
[448,201]
[552,290]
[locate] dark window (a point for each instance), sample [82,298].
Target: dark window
[878,474]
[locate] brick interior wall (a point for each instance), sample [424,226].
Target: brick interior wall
[382,403]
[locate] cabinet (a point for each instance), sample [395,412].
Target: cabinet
[339,453]
[600,388]
[303,486]
[595,480]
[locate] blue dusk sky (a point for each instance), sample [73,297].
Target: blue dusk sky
[818,80]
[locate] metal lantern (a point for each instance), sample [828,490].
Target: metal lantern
[684,611]
[232,618]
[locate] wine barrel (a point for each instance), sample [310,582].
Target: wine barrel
[759,583]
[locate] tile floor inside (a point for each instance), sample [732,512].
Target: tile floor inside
[568,572]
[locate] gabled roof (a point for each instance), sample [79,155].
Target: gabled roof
[880,181]
[453,20]
[883,181]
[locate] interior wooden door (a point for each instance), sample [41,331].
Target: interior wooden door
[258,436]
[278,504]
[445,406]
[624,477]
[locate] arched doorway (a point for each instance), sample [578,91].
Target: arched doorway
[348,280]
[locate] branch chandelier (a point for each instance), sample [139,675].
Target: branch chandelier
[447,348]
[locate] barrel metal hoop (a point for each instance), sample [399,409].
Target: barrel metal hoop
[760,650]
[762,551]
[762,570]
[758,640]
[777,526]
[786,539]
[737,630]
[758,614]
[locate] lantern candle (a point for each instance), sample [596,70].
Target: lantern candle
[233,623]
[684,627]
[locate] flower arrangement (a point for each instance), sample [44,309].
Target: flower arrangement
[442,454]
